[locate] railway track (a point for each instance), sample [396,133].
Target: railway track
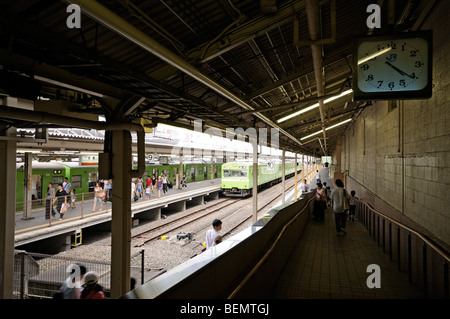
[163,228]
[188,220]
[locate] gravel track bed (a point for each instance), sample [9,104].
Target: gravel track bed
[170,252]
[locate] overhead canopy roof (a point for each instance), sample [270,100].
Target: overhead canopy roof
[229,63]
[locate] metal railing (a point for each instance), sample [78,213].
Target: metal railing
[424,261]
[39,276]
[49,214]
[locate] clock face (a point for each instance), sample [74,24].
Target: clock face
[393,67]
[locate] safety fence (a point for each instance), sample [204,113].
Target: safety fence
[424,261]
[39,276]
[82,205]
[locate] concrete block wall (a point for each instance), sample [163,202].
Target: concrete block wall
[402,155]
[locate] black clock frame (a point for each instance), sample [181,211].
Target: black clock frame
[424,93]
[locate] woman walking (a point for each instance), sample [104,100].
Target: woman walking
[158,186]
[98,193]
[61,196]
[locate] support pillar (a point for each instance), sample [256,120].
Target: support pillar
[180,173]
[283,178]
[295,179]
[338,174]
[303,167]
[7,214]
[255,181]
[27,173]
[212,170]
[121,214]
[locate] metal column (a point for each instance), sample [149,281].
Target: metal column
[27,173]
[283,178]
[303,167]
[295,179]
[255,180]
[121,213]
[180,172]
[7,214]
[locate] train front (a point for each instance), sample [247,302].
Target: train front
[236,179]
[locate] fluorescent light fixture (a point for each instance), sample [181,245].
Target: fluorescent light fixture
[374,55]
[309,108]
[35,151]
[88,153]
[326,129]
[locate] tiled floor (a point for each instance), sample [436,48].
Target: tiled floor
[327,266]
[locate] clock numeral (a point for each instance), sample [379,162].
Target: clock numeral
[365,67]
[391,85]
[380,83]
[402,83]
[418,64]
[413,53]
[370,77]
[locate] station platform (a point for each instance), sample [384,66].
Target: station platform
[324,265]
[37,227]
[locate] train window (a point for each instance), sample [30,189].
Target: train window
[76,181]
[93,177]
[234,173]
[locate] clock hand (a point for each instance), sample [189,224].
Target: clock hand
[398,70]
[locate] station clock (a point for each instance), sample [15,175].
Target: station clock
[397,66]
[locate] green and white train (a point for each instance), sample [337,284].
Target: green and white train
[84,177]
[237,177]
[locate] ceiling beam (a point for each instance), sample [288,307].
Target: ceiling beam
[235,37]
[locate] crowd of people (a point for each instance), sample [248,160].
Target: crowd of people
[339,199]
[145,189]
[81,284]
[57,201]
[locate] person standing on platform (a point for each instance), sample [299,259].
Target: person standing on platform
[320,203]
[158,186]
[49,200]
[317,177]
[147,192]
[164,183]
[352,201]
[61,196]
[98,192]
[212,233]
[139,188]
[183,181]
[67,186]
[337,200]
[73,197]
[304,186]
[108,189]
[154,184]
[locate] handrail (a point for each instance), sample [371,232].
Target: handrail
[429,243]
[269,251]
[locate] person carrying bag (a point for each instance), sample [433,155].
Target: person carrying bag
[338,200]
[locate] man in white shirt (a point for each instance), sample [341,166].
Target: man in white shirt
[337,200]
[318,177]
[213,232]
[304,186]
[67,186]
